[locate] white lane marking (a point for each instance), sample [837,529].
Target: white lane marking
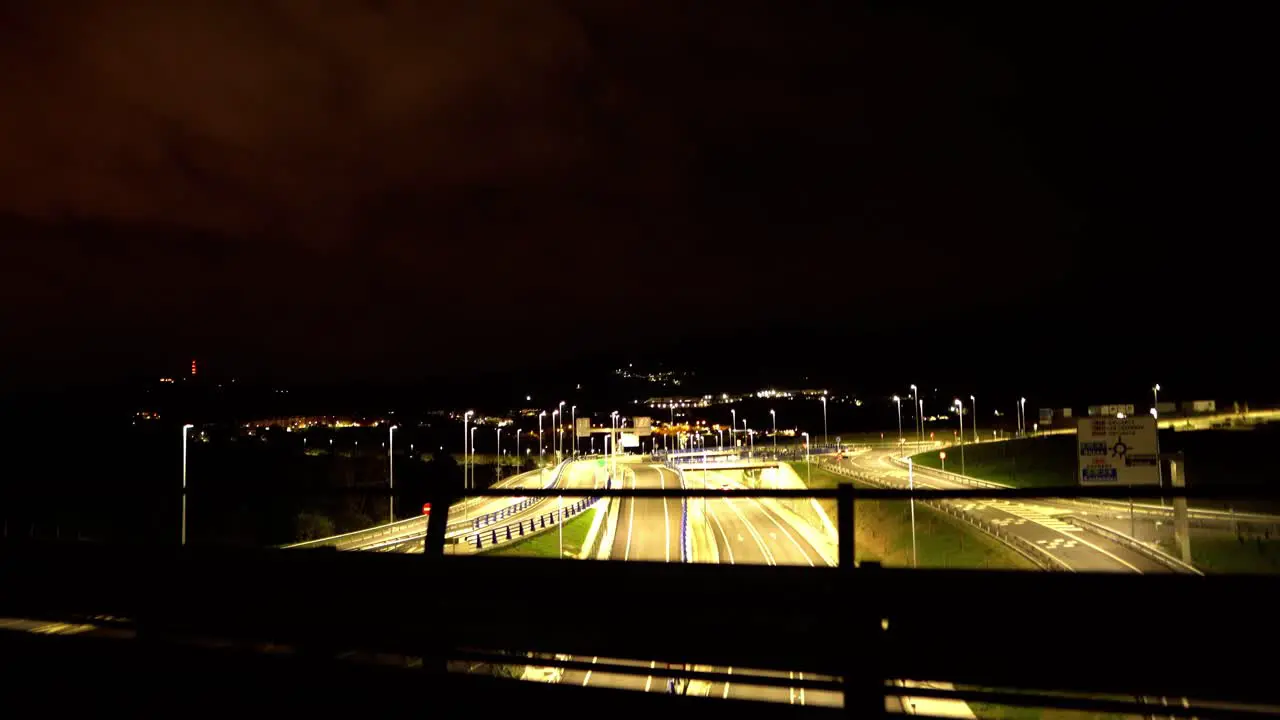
[769,515]
[648,681]
[768,556]
[726,685]
[711,509]
[802,689]
[666,518]
[631,519]
[791,675]
[587,679]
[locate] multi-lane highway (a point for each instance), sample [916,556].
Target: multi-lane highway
[1036,521]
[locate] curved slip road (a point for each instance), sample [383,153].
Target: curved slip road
[1032,520]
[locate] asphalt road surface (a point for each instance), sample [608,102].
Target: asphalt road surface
[1033,520]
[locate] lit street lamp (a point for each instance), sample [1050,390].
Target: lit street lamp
[720,438]
[774,417]
[960,414]
[1022,413]
[391,470]
[1155,400]
[560,442]
[921,413]
[900,438]
[919,424]
[826,442]
[498,449]
[540,416]
[733,428]
[473,455]
[465,417]
[554,426]
[974,400]
[808,470]
[573,415]
[185,428]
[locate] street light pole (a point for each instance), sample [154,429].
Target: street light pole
[960,414]
[554,414]
[921,408]
[1022,413]
[560,441]
[900,438]
[540,416]
[573,415]
[391,470]
[733,429]
[465,417]
[914,411]
[807,469]
[774,417]
[185,428]
[473,455]
[826,441]
[1155,400]
[974,400]
[498,449]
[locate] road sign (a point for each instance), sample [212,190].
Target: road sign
[1118,451]
[643,426]
[426,508]
[582,427]
[629,441]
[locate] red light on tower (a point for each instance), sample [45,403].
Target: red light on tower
[193,368]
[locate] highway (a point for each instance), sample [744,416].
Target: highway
[1033,520]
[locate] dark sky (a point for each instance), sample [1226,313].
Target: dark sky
[359,190]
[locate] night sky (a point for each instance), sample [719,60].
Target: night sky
[370,190]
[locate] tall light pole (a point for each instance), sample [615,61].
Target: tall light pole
[540,416]
[465,417]
[573,414]
[185,428]
[391,470]
[733,429]
[1155,400]
[720,440]
[774,416]
[807,469]
[473,455]
[672,408]
[914,411]
[560,441]
[900,438]
[911,486]
[554,416]
[613,444]
[1022,413]
[519,465]
[974,401]
[921,409]
[960,414]
[498,449]
[826,441]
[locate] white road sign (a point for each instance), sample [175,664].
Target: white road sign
[582,427]
[1118,451]
[643,426]
[628,440]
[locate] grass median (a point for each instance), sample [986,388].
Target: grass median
[547,544]
[882,532]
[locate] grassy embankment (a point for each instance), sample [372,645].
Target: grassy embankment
[547,545]
[1215,457]
[883,533]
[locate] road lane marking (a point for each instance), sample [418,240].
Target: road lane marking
[666,517]
[768,556]
[648,681]
[587,679]
[631,519]
[711,509]
[726,685]
[769,515]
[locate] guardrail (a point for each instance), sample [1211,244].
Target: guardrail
[415,528]
[1029,550]
[686,553]
[501,535]
[1134,544]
